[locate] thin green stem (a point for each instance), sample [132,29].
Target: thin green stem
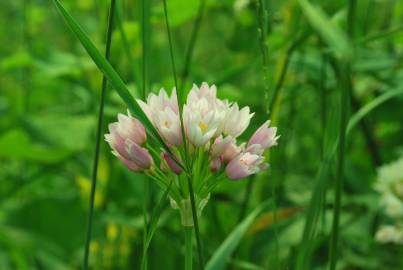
[144,39]
[346,86]
[98,137]
[345,92]
[134,66]
[192,42]
[179,92]
[262,29]
[145,35]
[188,248]
[195,221]
[188,173]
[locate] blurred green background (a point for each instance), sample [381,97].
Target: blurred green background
[49,96]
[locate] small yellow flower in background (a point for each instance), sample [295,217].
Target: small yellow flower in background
[94,246]
[112,231]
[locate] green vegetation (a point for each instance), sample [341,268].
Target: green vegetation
[327,73]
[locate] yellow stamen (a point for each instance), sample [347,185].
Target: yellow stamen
[203,126]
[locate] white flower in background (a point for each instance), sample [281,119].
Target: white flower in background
[390,234]
[392,205]
[390,185]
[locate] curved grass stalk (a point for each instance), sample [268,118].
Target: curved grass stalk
[98,137]
[186,157]
[192,42]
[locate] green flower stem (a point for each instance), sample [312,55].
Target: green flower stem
[188,248]
[195,221]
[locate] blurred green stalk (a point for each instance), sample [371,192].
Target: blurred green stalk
[98,137]
[188,248]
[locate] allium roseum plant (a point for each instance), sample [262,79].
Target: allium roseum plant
[211,127]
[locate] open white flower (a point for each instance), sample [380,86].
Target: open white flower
[236,121]
[200,116]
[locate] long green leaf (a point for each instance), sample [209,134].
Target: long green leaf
[361,113]
[112,76]
[331,34]
[222,254]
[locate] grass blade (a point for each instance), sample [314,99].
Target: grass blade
[345,97]
[98,137]
[330,33]
[361,113]
[113,78]
[223,253]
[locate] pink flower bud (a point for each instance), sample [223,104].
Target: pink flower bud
[264,136]
[244,165]
[231,151]
[130,164]
[172,164]
[125,138]
[215,165]
[139,155]
[131,128]
[220,145]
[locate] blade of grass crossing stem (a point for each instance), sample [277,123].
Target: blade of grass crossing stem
[224,251]
[145,85]
[114,79]
[152,226]
[189,174]
[345,96]
[334,37]
[98,137]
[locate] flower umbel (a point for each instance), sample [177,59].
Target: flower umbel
[211,128]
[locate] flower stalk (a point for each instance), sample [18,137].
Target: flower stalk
[188,248]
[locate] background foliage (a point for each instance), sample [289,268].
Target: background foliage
[49,94]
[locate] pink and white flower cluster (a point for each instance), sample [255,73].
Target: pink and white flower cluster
[211,127]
